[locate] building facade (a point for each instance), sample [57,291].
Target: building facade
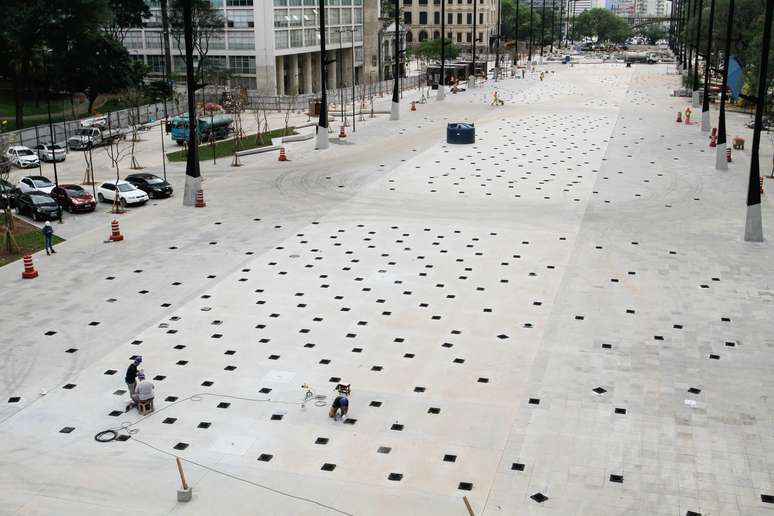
[422,19]
[270,46]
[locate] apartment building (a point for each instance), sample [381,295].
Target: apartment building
[271,46]
[422,19]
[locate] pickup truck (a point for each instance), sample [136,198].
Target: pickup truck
[87,137]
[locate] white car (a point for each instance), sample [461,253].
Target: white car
[48,152]
[23,157]
[126,191]
[29,184]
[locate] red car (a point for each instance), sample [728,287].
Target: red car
[74,198]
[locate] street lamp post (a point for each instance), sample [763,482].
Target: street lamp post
[705,114]
[321,137]
[753,229]
[475,39]
[553,27]
[516,31]
[193,180]
[497,48]
[395,107]
[688,63]
[542,31]
[441,88]
[51,131]
[696,56]
[529,52]
[720,158]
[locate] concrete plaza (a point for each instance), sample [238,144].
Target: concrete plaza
[562,319]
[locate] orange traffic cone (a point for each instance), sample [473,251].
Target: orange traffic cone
[761,180]
[115,232]
[413,106]
[713,141]
[342,134]
[282,155]
[29,269]
[679,119]
[200,199]
[728,154]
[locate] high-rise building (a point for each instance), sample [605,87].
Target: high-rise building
[272,46]
[422,19]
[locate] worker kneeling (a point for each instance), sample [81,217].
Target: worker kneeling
[341,403]
[143,393]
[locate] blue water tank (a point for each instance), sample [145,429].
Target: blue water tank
[460,133]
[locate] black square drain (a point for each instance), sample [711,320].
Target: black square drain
[224,404]
[534,401]
[66,430]
[204,424]
[375,404]
[620,411]
[171,399]
[328,466]
[180,446]
[539,497]
[599,390]
[397,427]
[265,457]
[465,486]
[618,479]
[517,466]
[449,458]
[433,410]
[169,420]
[277,417]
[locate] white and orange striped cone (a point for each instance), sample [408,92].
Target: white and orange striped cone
[282,155]
[200,199]
[761,180]
[29,269]
[342,133]
[679,118]
[413,106]
[115,232]
[728,154]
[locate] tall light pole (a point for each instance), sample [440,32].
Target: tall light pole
[542,31]
[321,137]
[497,49]
[696,57]
[441,89]
[51,130]
[553,28]
[753,228]
[529,54]
[516,30]
[475,39]
[688,63]
[720,158]
[193,179]
[395,108]
[705,114]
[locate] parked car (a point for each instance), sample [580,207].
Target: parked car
[48,152]
[89,137]
[74,198]
[35,184]
[38,205]
[152,185]
[126,191]
[22,157]
[8,194]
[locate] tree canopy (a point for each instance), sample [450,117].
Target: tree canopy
[430,49]
[602,25]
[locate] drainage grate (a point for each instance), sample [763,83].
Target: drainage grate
[180,446]
[618,479]
[539,497]
[449,458]
[384,449]
[395,477]
[600,390]
[265,457]
[465,486]
[204,424]
[328,466]
[517,466]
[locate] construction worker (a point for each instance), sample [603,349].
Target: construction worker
[131,375]
[340,403]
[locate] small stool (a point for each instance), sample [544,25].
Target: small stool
[145,407]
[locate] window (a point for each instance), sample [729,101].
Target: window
[239,3]
[449,36]
[358,15]
[407,2]
[133,39]
[296,38]
[422,19]
[407,18]
[310,17]
[470,18]
[240,18]
[480,18]
[281,18]
[332,16]
[436,35]
[459,18]
[241,40]
[310,38]
[214,63]
[152,39]
[346,16]
[218,41]
[480,36]
[449,18]
[422,36]
[358,56]
[459,37]
[242,64]
[422,2]
[295,17]
[280,39]
[243,82]
[359,34]
[409,37]
[468,37]
[156,64]
[436,17]
[280,3]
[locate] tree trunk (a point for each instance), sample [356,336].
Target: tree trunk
[92,99]
[18,90]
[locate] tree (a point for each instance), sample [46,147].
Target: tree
[9,242]
[125,15]
[99,64]
[206,22]
[430,49]
[602,25]
[652,33]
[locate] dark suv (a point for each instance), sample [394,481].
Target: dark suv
[38,205]
[152,185]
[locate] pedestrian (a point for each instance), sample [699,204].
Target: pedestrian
[48,235]
[340,403]
[144,392]
[131,375]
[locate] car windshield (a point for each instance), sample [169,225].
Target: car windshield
[24,152]
[40,199]
[53,147]
[41,183]
[83,132]
[154,180]
[125,187]
[75,192]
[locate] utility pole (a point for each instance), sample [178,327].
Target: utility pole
[395,108]
[705,114]
[193,180]
[475,3]
[753,229]
[51,132]
[688,63]
[516,31]
[441,88]
[696,57]
[720,158]
[542,31]
[165,34]
[530,33]
[497,49]
[553,13]
[321,141]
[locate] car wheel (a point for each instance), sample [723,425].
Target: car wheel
[70,208]
[100,197]
[122,202]
[35,216]
[18,210]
